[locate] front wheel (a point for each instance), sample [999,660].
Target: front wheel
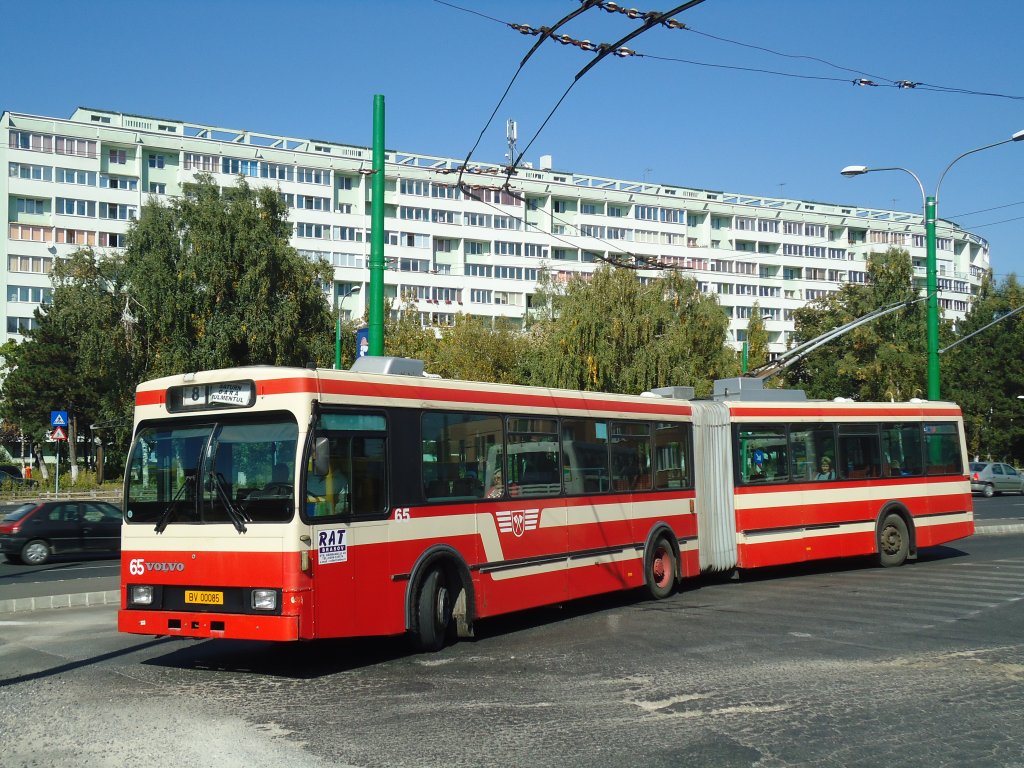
[35,552]
[433,613]
[661,569]
[893,542]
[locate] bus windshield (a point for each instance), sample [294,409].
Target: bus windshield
[212,472]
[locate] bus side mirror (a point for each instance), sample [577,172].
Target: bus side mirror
[321,456]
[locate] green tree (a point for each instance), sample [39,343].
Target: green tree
[985,373]
[881,360]
[208,280]
[405,335]
[217,284]
[75,358]
[757,338]
[473,350]
[612,332]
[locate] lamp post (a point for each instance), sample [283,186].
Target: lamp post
[340,300]
[930,208]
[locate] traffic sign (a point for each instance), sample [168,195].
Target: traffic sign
[58,418]
[59,433]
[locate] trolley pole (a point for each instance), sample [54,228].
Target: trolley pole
[376,297]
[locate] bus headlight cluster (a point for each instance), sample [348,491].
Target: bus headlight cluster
[142,595]
[264,599]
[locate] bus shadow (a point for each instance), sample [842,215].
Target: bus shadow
[313,659]
[300,661]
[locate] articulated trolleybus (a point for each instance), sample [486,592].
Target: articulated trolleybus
[293,504]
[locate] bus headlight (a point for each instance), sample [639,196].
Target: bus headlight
[141,595]
[264,599]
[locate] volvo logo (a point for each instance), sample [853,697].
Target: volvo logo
[138,566]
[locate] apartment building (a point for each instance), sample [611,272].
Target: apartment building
[81,181]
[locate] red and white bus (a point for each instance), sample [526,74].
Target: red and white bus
[290,504]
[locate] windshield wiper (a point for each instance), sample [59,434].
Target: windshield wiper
[165,516]
[238,518]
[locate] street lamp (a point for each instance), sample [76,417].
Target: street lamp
[930,207]
[340,301]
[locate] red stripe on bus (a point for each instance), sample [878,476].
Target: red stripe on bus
[823,486]
[896,409]
[150,397]
[467,394]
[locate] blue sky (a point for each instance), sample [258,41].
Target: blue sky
[310,69]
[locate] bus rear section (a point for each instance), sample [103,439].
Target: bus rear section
[813,480]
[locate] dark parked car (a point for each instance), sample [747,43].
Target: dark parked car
[9,473]
[31,533]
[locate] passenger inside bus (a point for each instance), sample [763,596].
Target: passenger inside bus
[825,471]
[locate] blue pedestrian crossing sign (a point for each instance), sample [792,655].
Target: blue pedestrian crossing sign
[58,418]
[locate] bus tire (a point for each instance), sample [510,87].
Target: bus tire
[433,612]
[661,569]
[893,541]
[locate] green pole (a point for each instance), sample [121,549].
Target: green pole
[743,359]
[933,300]
[376,297]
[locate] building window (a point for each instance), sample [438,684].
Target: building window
[156,161]
[70,207]
[318,231]
[118,211]
[113,239]
[118,182]
[504,248]
[33,172]
[237,167]
[76,236]
[30,205]
[409,213]
[117,157]
[314,176]
[197,162]
[311,203]
[156,188]
[29,294]
[64,145]
[18,231]
[411,187]
[34,142]
[21,324]
[74,176]
[38,265]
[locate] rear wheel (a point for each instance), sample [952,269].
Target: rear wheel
[893,541]
[989,491]
[35,552]
[661,569]
[433,613]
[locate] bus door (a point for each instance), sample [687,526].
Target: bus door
[531,518]
[346,505]
[598,515]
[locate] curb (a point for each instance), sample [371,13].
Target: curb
[79,600]
[998,529]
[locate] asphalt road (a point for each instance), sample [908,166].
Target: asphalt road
[839,664]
